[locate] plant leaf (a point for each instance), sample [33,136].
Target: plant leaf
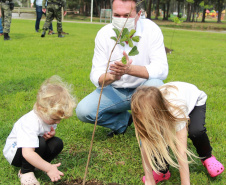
[133,51]
[125,32]
[131,33]
[114,38]
[130,43]
[136,39]
[125,38]
[116,32]
[122,44]
[124,60]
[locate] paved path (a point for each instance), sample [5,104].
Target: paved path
[28,16]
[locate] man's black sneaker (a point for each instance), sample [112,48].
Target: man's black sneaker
[43,34]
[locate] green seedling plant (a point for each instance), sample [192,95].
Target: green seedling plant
[176,20]
[127,37]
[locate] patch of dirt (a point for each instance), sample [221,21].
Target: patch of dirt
[80,181]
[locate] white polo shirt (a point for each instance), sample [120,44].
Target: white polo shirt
[185,95]
[25,134]
[151,49]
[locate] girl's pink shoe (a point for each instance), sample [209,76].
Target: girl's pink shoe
[159,177]
[213,166]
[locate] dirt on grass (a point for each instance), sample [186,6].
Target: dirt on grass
[80,182]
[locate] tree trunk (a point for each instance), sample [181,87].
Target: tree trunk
[111,4]
[188,12]
[149,9]
[157,9]
[104,5]
[97,9]
[193,13]
[197,14]
[167,12]
[178,9]
[164,11]
[220,8]
[86,9]
[219,17]
[81,8]
[204,15]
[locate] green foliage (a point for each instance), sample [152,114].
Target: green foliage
[27,60]
[125,31]
[130,43]
[124,60]
[136,39]
[133,51]
[177,20]
[128,38]
[114,38]
[190,1]
[131,33]
[201,4]
[117,32]
[122,44]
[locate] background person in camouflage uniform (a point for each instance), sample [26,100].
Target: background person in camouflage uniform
[6,11]
[39,12]
[53,10]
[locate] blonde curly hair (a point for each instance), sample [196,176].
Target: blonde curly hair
[54,98]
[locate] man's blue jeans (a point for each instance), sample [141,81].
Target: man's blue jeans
[39,17]
[1,28]
[114,106]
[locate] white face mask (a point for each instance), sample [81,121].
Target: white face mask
[119,23]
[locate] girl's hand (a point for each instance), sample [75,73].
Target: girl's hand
[53,173]
[50,134]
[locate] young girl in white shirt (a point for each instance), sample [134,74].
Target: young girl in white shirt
[160,116]
[32,142]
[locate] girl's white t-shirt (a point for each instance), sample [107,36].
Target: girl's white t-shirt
[25,134]
[186,95]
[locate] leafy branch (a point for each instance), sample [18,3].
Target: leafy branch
[126,38]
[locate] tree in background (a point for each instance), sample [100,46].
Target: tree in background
[178,7]
[196,9]
[189,9]
[149,9]
[219,5]
[192,7]
[157,9]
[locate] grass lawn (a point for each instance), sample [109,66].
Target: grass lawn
[27,60]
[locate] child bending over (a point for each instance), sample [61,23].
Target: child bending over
[160,117]
[32,142]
